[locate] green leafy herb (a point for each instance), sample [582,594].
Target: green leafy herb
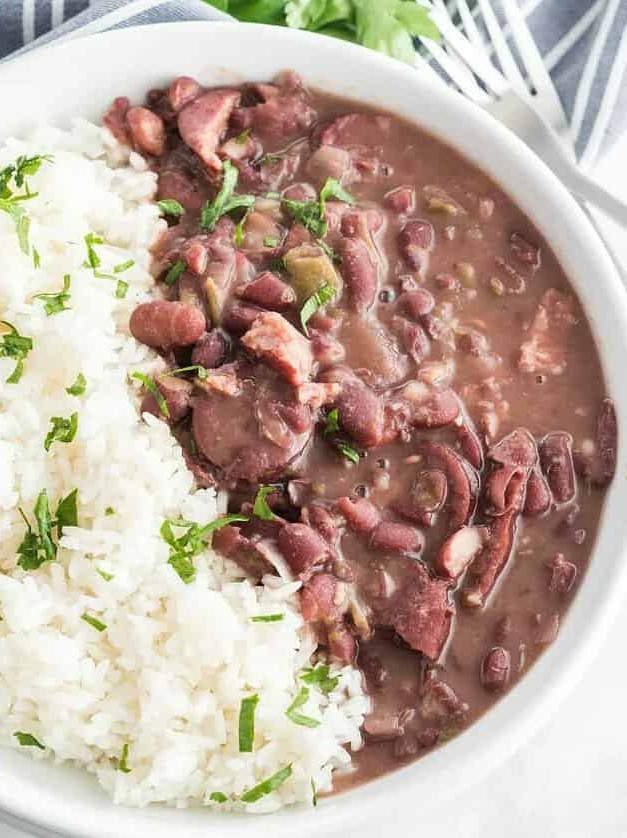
[62,430]
[201,372]
[79,386]
[150,385]
[268,618]
[348,451]
[260,507]
[333,422]
[191,542]
[123,266]
[54,303]
[37,547]
[27,740]
[318,300]
[106,576]
[218,797]
[241,138]
[168,206]
[121,289]
[16,346]
[298,718]
[319,677]
[314,794]
[36,258]
[225,201]
[94,622]
[238,233]
[332,254]
[267,786]
[270,241]
[67,512]
[174,272]
[109,511]
[93,259]
[10,202]
[307,213]
[247,723]
[123,761]
[333,189]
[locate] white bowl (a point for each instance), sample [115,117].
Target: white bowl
[80,78]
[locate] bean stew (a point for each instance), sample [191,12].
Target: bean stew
[378,356]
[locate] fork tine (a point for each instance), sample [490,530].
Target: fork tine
[533,61]
[503,52]
[473,57]
[457,72]
[470,25]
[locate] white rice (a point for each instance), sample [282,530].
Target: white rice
[167,675]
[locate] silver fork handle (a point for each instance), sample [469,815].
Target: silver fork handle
[591,192]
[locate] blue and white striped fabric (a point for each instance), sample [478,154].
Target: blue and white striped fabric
[584,43]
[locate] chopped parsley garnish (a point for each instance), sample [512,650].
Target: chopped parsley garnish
[308,214]
[191,543]
[94,622]
[62,430]
[332,254]
[218,797]
[27,740]
[54,303]
[267,786]
[36,258]
[109,511]
[67,512]
[268,618]
[201,372]
[150,385]
[10,202]
[314,794]
[319,677]
[123,266]
[123,761]
[93,259]
[121,289]
[16,346]
[247,723]
[241,138]
[225,201]
[79,386]
[39,547]
[318,300]
[348,451]
[333,422]
[333,189]
[298,718]
[174,272]
[168,206]
[270,241]
[260,507]
[106,576]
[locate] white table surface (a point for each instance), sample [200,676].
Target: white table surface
[570,781]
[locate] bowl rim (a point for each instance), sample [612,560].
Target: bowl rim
[512,720]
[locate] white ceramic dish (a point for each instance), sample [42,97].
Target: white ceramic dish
[80,78]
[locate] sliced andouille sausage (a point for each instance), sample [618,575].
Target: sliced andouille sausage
[203,121]
[276,342]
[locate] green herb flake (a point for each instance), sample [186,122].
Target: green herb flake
[298,718]
[10,202]
[318,300]
[268,618]
[37,547]
[67,512]
[62,430]
[93,259]
[123,266]
[174,272]
[319,677]
[314,794]
[168,206]
[109,511]
[333,422]
[94,622]
[333,189]
[225,201]
[200,371]
[218,797]
[260,507]
[192,542]
[151,386]
[238,233]
[247,723]
[121,289]
[36,258]
[348,451]
[106,576]
[308,214]
[270,241]
[79,386]
[241,138]
[123,765]
[27,740]
[15,346]
[55,303]
[267,786]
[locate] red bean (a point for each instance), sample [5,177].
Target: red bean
[360,273]
[210,351]
[147,130]
[268,291]
[360,514]
[302,547]
[165,325]
[397,538]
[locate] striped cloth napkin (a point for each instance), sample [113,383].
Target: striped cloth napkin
[584,44]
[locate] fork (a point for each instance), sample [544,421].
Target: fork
[527,103]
